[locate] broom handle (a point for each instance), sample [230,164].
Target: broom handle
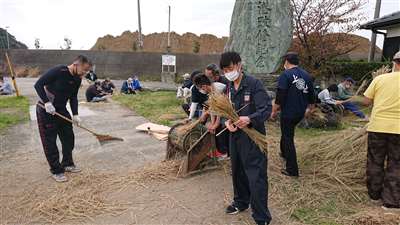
[222,131]
[69,120]
[12,74]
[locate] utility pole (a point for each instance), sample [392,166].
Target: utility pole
[371,56]
[169,30]
[8,40]
[140,39]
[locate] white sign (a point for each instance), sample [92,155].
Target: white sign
[169,60]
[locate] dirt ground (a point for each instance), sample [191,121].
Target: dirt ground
[121,183]
[26,183]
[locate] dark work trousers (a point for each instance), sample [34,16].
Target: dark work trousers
[288,149]
[222,141]
[249,176]
[384,182]
[49,128]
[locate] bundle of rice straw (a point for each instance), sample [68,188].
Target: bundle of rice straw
[382,70]
[318,115]
[339,160]
[366,81]
[222,106]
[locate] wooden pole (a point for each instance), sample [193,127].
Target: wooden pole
[12,74]
[371,55]
[140,39]
[169,31]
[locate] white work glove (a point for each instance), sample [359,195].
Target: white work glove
[77,120]
[50,108]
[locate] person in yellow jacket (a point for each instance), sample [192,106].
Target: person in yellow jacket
[383,182]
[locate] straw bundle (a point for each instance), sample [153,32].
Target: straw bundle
[366,81]
[222,106]
[339,160]
[318,115]
[382,70]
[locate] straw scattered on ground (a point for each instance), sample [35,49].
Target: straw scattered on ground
[84,196]
[332,183]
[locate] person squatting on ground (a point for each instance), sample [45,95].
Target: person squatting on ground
[383,158]
[345,95]
[249,163]
[95,93]
[108,86]
[325,97]
[5,87]
[295,98]
[131,86]
[55,88]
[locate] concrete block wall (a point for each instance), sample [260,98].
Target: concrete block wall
[117,65]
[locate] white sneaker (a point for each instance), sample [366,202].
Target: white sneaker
[390,209]
[60,177]
[72,169]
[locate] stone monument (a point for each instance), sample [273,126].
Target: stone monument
[261,31]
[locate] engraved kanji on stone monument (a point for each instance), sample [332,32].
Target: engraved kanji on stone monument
[261,31]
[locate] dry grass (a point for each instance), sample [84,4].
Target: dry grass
[339,161]
[222,106]
[84,196]
[332,183]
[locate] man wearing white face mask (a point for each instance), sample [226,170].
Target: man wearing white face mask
[249,163]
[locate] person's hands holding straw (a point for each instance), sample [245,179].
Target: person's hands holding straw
[243,122]
[231,126]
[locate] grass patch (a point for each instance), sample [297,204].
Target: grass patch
[159,107]
[315,132]
[13,110]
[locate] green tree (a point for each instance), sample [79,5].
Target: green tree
[196,47]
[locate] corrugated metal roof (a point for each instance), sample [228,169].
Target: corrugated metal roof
[382,22]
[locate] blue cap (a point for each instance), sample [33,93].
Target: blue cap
[350,79]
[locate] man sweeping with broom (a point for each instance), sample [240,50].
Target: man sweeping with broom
[383,164]
[249,163]
[55,88]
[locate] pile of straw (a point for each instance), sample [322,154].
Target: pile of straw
[222,106]
[339,160]
[85,195]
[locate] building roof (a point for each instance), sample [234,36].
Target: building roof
[382,22]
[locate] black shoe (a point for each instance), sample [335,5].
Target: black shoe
[286,173]
[388,207]
[232,210]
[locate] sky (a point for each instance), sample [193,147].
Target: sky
[83,21]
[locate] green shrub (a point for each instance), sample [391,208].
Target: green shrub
[355,69]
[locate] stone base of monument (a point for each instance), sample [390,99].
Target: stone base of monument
[168,77]
[270,81]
